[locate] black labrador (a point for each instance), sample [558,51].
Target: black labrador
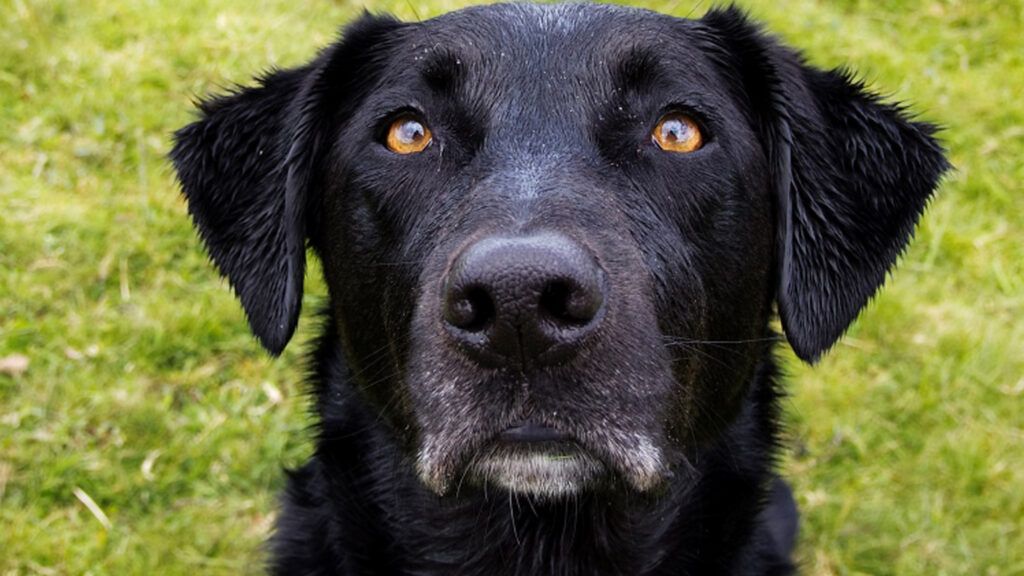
[554,238]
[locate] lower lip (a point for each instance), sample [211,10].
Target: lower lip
[553,449]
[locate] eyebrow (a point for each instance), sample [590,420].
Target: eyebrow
[443,71]
[638,70]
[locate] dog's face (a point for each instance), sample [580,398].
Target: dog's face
[553,236]
[541,213]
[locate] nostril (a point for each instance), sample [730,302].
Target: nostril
[472,309]
[568,303]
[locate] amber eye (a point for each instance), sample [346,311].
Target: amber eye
[677,132]
[407,135]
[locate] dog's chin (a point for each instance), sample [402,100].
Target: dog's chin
[544,472]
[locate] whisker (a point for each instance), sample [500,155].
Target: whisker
[703,354]
[674,340]
[512,518]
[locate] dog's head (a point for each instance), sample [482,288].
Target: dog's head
[553,235]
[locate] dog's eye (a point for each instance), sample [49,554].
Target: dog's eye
[677,132]
[408,135]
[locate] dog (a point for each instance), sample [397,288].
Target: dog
[554,239]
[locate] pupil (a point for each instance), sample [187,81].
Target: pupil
[674,130]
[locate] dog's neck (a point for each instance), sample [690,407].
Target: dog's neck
[503,534]
[380,509]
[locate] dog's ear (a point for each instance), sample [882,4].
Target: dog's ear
[247,166]
[851,173]
[233,168]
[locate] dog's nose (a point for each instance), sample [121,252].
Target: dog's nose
[523,300]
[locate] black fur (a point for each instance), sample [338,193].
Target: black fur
[807,189]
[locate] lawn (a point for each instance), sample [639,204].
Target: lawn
[143,431]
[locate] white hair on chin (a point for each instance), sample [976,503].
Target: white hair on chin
[541,474]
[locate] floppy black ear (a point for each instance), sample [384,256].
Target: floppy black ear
[246,169]
[852,176]
[232,165]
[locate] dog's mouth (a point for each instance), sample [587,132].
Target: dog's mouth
[531,458]
[545,460]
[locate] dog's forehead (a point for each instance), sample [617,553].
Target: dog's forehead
[581,44]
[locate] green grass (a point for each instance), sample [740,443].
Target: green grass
[146,395]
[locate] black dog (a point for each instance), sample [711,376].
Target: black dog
[553,238]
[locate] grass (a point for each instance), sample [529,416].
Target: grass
[147,434]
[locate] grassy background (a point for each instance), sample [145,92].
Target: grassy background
[145,398]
